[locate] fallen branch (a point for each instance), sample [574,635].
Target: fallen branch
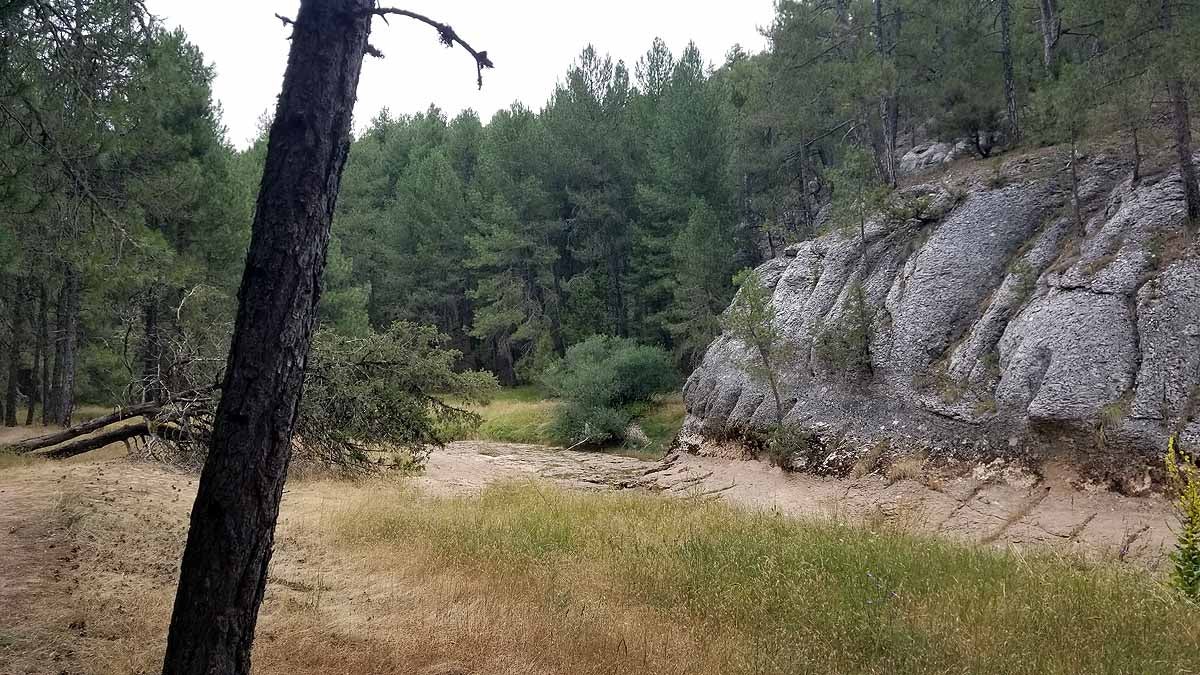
[78,446]
[121,434]
[31,444]
[181,407]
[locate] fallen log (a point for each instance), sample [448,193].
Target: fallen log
[148,409]
[120,434]
[80,445]
[138,410]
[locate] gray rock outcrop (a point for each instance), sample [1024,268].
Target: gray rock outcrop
[994,322]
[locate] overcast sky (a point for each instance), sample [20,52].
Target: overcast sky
[531,41]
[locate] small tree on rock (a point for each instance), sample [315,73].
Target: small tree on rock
[751,319]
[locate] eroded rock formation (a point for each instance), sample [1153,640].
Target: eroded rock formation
[990,322]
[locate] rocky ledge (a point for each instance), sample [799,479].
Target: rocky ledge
[978,318]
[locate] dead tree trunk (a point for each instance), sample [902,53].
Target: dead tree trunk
[1006,56]
[124,433]
[62,392]
[224,570]
[32,444]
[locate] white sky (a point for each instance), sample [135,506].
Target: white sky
[532,43]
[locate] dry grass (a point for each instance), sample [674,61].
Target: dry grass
[377,578]
[11,460]
[908,467]
[628,583]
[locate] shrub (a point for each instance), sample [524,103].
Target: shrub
[790,447]
[385,391]
[845,345]
[598,380]
[1184,479]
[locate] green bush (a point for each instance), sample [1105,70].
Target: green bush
[598,380]
[1183,478]
[845,345]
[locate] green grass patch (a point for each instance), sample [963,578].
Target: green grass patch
[776,595]
[660,420]
[514,415]
[524,415]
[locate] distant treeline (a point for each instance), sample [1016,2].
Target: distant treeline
[624,206]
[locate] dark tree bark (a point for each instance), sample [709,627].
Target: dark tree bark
[886,39]
[35,391]
[152,384]
[1051,26]
[1183,146]
[224,570]
[44,348]
[1006,56]
[1182,122]
[618,314]
[503,360]
[62,392]
[559,271]
[15,340]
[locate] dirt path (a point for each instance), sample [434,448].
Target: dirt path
[90,548]
[993,505]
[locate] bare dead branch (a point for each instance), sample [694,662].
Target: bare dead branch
[446,35]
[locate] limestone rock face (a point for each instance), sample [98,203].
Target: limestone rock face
[997,319]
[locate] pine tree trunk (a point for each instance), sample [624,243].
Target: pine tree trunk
[152,384]
[62,392]
[35,379]
[1051,26]
[1182,122]
[224,570]
[44,348]
[503,361]
[616,292]
[556,330]
[842,26]
[772,382]
[15,339]
[886,39]
[1006,55]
